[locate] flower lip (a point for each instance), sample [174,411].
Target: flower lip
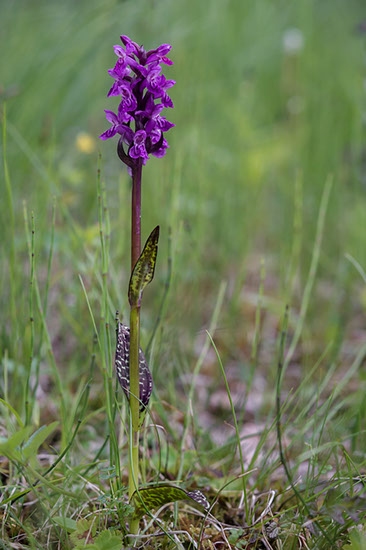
[139,147]
[120,70]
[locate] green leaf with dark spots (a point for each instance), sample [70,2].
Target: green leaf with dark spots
[143,272]
[122,364]
[153,497]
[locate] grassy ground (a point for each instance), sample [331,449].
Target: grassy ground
[261,202]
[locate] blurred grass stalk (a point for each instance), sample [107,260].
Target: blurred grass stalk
[12,270]
[31,250]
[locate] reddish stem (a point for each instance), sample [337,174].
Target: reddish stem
[136,214]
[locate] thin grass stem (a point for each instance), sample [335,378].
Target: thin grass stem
[236,427]
[312,272]
[196,370]
[45,300]
[31,251]
[254,350]
[9,194]
[279,427]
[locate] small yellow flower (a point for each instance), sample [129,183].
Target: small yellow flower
[85,143]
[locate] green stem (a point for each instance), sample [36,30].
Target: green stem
[134,407]
[134,343]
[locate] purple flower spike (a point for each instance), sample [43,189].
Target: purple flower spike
[142,90]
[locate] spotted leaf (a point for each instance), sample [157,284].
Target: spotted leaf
[154,497]
[143,272]
[122,363]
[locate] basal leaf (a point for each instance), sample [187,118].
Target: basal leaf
[66,523]
[122,362]
[143,272]
[153,497]
[358,541]
[84,533]
[35,441]
[106,540]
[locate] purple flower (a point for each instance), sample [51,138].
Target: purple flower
[139,147]
[142,91]
[157,84]
[155,136]
[116,125]
[152,113]
[123,59]
[120,70]
[131,47]
[159,54]
[160,151]
[128,100]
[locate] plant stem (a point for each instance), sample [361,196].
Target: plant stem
[135,341]
[136,215]
[134,409]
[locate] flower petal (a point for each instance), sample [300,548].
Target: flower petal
[120,52]
[166,101]
[167,61]
[109,133]
[160,152]
[169,84]
[131,47]
[126,133]
[111,116]
[114,90]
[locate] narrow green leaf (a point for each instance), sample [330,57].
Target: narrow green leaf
[66,523]
[19,420]
[152,497]
[15,496]
[8,446]
[143,272]
[35,441]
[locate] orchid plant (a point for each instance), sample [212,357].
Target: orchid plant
[143,93]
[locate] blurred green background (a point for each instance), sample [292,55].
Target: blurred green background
[269,103]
